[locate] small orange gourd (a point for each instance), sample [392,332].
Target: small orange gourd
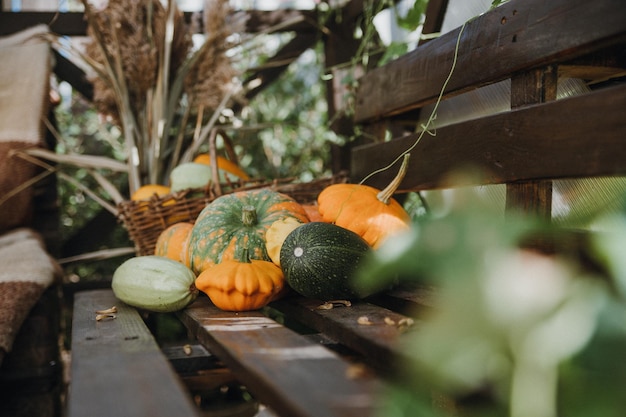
[148,191]
[223,164]
[241,284]
[173,242]
[371,213]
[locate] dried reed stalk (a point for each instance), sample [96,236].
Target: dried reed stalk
[149,79]
[139,43]
[208,80]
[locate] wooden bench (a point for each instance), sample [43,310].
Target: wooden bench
[327,370]
[298,360]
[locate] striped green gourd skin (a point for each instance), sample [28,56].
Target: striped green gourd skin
[220,233]
[319,261]
[154,283]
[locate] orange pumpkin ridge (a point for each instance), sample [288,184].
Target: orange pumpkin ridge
[241,284]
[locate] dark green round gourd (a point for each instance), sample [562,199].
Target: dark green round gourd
[319,261]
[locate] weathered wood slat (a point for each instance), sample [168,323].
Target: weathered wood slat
[75,24]
[532,87]
[517,36]
[408,298]
[277,64]
[117,367]
[368,329]
[581,136]
[287,371]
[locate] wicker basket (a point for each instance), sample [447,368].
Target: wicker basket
[145,220]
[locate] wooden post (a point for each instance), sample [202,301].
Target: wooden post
[339,48]
[532,197]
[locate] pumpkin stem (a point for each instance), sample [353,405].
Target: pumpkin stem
[245,255]
[248,216]
[385,195]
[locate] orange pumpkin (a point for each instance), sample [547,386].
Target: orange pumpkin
[148,191]
[173,242]
[223,164]
[371,213]
[313,212]
[241,285]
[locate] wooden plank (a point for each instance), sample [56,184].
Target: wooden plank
[531,87]
[569,138]
[276,65]
[408,298]
[287,371]
[75,24]
[517,36]
[190,358]
[368,329]
[433,19]
[117,368]
[66,70]
[68,24]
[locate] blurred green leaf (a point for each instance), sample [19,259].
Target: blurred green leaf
[414,16]
[508,323]
[438,249]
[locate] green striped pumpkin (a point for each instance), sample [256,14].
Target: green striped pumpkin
[235,221]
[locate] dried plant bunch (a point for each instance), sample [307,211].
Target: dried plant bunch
[133,32]
[150,79]
[164,92]
[209,79]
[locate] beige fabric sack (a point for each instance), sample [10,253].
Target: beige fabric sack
[25,66]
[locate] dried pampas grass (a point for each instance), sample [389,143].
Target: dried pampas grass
[133,32]
[209,79]
[153,83]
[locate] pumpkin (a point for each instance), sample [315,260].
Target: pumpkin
[189,175]
[313,212]
[241,284]
[148,191]
[173,242]
[319,260]
[223,164]
[276,234]
[235,220]
[372,214]
[154,283]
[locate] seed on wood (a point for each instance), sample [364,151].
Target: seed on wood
[101,317]
[329,305]
[110,310]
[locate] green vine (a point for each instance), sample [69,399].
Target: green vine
[433,115]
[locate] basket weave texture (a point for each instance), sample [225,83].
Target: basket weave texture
[145,220]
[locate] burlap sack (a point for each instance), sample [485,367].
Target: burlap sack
[25,65]
[16,205]
[25,273]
